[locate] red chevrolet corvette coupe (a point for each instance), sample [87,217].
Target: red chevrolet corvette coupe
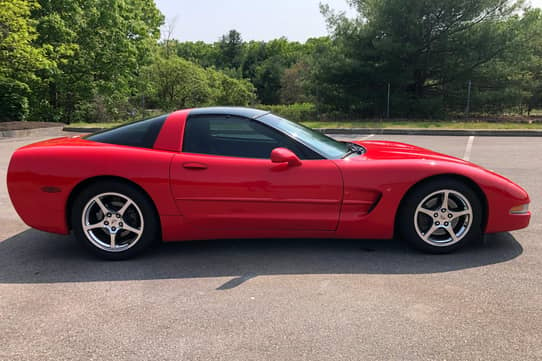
[242,173]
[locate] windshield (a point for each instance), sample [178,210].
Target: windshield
[321,143]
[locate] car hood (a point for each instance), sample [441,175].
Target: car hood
[386,150]
[395,151]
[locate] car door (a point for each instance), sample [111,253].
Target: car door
[224,179]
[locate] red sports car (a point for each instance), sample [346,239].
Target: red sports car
[242,173]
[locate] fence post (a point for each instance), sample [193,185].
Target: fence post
[467,109]
[388,103]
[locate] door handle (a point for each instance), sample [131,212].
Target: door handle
[195,166]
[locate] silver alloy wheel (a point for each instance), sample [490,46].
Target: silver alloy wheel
[112,222]
[443,218]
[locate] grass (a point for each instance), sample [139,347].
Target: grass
[376,124]
[425,125]
[95,125]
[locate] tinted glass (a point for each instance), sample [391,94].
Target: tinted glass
[237,137]
[321,143]
[140,134]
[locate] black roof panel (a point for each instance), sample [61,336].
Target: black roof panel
[234,111]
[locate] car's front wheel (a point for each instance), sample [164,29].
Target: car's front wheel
[114,220]
[440,216]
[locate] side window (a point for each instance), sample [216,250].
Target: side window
[237,137]
[140,134]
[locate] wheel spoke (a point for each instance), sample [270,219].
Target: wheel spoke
[129,228]
[112,236]
[125,207]
[426,211]
[430,232]
[445,200]
[89,227]
[103,208]
[466,212]
[452,234]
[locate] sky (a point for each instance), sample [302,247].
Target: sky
[208,20]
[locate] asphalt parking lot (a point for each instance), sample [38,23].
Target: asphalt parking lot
[281,299]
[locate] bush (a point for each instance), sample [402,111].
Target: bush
[300,112]
[176,83]
[13,100]
[229,91]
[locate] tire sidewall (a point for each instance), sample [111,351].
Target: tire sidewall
[406,221]
[150,232]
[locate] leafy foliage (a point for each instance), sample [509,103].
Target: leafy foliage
[20,60]
[262,63]
[299,112]
[425,51]
[176,83]
[99,48]
[103,60]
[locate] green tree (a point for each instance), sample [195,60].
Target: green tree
[423,49]
[20,59]
[293,88]
[231,50]
[228,91]
[176,83]
[198,52]
[100,48]
[262,63]
[523,62]
[265,63]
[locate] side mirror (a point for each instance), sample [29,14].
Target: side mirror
[283,155]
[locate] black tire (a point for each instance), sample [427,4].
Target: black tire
[427,224]
[128,234]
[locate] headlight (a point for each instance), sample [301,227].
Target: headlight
[521,209]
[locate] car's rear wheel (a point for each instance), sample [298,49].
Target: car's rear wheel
[440,216]
[115,220]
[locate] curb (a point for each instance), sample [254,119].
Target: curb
[31,132]
[385,131]
[437,132]
[82,130]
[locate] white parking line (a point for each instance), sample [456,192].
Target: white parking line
[367,137]
[468,150]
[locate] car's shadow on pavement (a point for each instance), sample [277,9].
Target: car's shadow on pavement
[36,257]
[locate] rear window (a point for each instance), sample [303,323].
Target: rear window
[141,134]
